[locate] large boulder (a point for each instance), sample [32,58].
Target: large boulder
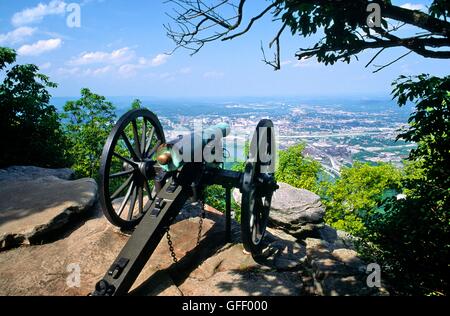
[31,211]
[25,173]
[298,212]
[338,271]
[91,248]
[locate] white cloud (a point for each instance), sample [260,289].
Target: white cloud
[79,72]
[412,6]
[159,59]
[44,66]
[213,75]
[117,56]
[165,75]
[69,71]
[40,47]
[17,35]
[305,63]
[37,13]
[131,69]
[185,71]
[97,71]
[286,62]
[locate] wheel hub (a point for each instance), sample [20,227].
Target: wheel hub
[146,169]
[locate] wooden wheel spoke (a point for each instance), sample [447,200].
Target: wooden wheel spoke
[130,162]
[129,146]
[255,227]
[143,140]
[125,199]
[137,146]
[149,191]
[126,193]
[158,143]
[132,203]
[122,187]
[149,143]
[141,200]
[121,174]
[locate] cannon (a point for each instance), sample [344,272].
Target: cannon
[145,181]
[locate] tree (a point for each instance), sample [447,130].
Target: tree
[412,234]
[346,25]
[89,121]
[296,170]
[30,129]
[136,104]
[358,193]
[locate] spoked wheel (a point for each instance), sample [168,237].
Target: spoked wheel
[258,187]
[128,167]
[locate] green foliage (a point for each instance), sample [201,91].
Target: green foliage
[30,129]
[340,24]
[412,234]
[293,169]
[215,197]
[339,30]
[89,121]
[136,104]
[296,170]
[440,8]
[357,194]
[429,124]
[7,56]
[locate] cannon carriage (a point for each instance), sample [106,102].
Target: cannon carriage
[145,181]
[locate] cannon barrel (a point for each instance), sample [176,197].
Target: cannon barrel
[190,148]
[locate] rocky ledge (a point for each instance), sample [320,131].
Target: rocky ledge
[324,264]
[36,203]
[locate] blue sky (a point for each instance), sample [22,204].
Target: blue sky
[119,50]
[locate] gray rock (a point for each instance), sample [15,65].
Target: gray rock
[292,205]
[337,272]
[26,173]
[338,238]
[241,283]
[231,272]
[93,247]
[32,210]
[298,212]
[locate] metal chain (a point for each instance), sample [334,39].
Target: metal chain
[199,235]
[169,242]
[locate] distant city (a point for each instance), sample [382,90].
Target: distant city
[337,132]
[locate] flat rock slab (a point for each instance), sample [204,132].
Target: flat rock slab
[231,272]
[51,269]
[241,283]
[338,271]
[31,210]
[25,173]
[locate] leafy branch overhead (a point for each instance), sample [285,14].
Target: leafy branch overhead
[343,25]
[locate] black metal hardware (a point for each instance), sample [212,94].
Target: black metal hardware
[136,193]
